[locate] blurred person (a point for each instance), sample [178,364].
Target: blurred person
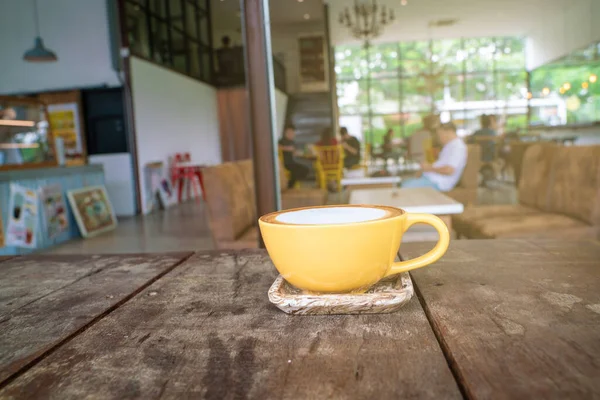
[327,138]
[423,140]
[487,130]
[444,174]
[390,148]
[225,57]
[351,148]
[287,147]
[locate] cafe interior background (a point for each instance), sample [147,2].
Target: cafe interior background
[104,94]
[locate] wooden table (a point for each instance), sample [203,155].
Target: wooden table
[493,319]
[415,200]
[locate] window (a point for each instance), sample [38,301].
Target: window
[394,85]
[567,92]
[174,33]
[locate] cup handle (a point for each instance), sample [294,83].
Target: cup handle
[434,254]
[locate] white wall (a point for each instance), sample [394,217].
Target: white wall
[76,30]
[119,181]
[557,34]
[173,114]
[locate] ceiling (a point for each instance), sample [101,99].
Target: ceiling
[476,18]
[283,12]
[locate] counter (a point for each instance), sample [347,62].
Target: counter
[68,177]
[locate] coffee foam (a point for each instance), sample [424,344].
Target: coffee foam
[332,215]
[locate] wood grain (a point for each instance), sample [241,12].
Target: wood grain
[55,296]
[517,319]
[207,330]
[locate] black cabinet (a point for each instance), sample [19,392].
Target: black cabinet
[106,126]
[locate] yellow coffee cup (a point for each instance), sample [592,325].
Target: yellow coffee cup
[343,248]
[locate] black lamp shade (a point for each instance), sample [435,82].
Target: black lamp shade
[39,53]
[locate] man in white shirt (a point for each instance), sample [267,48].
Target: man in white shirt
[444,174]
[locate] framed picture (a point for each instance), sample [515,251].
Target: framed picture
[1,231]
[23,218]
[166,195]
[54,209]
[92,209]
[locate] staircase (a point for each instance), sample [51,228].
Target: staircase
[310,113]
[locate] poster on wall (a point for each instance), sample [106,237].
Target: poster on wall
[23,218]
[64,122]
[313,63]
[54,209]
[93,211]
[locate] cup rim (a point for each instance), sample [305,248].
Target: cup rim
[263,218]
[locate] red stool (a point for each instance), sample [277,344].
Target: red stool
[182,174]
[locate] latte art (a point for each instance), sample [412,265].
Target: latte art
[333,215]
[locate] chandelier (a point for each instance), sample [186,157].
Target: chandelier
[367,19]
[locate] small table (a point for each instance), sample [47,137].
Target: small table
[357,179]
[415,200]
[509,319]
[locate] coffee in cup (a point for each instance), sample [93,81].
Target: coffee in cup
[343,248]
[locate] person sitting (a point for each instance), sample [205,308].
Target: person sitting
[488,130]
[327,138]
[388,141]
[420,143]
[351,148]
[287,147]
[444,174]
[390,149]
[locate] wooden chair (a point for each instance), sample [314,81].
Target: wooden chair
[329,165]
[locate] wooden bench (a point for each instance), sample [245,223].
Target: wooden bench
[559,197]
[231,203]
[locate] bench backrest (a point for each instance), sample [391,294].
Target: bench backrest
[229,199]
[562,179]
[575,190]
[470,176]
[536,176]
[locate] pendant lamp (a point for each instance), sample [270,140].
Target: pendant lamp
[38,53]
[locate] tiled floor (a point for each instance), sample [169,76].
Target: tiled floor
[185,227]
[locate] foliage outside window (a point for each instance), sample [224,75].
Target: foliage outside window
[567,92]
[174,33]
[393,85]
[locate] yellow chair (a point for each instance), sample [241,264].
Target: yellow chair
[287,173]
[329,165]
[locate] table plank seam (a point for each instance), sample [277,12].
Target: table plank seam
[450,359]
[91,273]
[55,346]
